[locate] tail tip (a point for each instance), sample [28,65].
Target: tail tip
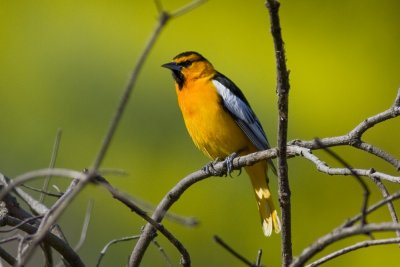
[267,227]
[271,223]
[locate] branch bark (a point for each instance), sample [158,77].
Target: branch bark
[282,89]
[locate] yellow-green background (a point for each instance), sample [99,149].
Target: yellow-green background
[63,64]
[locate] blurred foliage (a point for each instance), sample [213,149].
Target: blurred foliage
[64,65]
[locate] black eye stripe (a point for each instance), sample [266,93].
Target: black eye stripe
[186,63]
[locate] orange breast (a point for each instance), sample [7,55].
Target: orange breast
[212,129]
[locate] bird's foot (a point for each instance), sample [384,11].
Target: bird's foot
[229,163]
[210,170]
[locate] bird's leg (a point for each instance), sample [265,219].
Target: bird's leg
[228,161]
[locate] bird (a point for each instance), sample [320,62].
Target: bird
[222,124]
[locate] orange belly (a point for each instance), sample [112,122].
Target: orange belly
[212,129]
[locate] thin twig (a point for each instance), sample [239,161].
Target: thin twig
[362,244]
[58,244]
[341,234]
[47,193]
[323,167]
[176,218]
[385,194]
[353,138]
[48,221]
[28,220]
[371,209]
[232,251]
[85,226]
[258,260]
[282,89]
[112,242]
[185,260]
[52,163]
[35,206]
[163,253]
[164,17]
[37,174]
[366,192]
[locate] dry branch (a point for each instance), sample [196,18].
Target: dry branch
[282,89]
[340,234]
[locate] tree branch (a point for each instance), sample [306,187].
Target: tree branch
[58,244]
[353,138]
[363,244]
[282,89]
[233,252]
[340,234]
[129,203]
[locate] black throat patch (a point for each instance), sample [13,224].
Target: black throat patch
[179,78]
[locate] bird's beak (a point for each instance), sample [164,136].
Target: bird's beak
[172,66]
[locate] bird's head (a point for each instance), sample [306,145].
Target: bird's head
[189,66]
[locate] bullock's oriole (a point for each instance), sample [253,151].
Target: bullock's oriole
[221,122]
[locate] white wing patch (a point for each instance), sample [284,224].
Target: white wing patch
[244,116]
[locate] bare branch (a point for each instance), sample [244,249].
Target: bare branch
[49,219]
[176,218]
[363,185]
[353,138]
[47,193]
[52,163]
[85,226]
[58,244]
[323,167]
[112,242]
[374,207]
[163,253]
[185,261]
[282,89]
[7,257]
[248,160]
[259,255]
[385,194]
[27,220]
[340,234]
[363,244]
[164,17]
[232,251]
[396,102]
[40,173]
[35,206]
[187,8]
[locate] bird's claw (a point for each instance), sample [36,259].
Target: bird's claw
[229,163]
[210,170]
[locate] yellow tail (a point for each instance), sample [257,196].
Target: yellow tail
[269,216]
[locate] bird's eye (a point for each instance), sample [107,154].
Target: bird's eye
[186,63]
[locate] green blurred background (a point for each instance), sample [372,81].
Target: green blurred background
[64,65]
